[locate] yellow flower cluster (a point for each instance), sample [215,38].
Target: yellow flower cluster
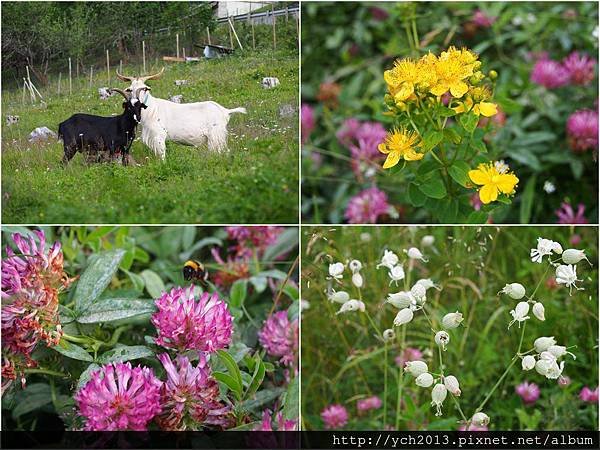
[400,144]
[452,72]
[494,178]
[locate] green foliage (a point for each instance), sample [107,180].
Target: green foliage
[255,182]
[343,357]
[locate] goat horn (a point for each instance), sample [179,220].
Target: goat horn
[153,77]
[120,92]
[123,77]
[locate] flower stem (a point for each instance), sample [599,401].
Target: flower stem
[373,323]
[400,380]
[47,372]
[385,382]
[76,339]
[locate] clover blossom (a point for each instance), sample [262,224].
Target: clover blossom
[334,416]
[582,130]
[367,206]
[186,323]
[580,68]
[269,418]
[567,216]
[279,336]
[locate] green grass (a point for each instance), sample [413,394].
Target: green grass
[343,360]
[255,182]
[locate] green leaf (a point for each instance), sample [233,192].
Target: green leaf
[259,283]
[125,353]
[233,370]
[112,309]
[285,242]
[72,351]
[477,217]
[527,200]
[576,168]
[452,135]
[431,139]
[33,397]
[415,196]
[153,282]
[187,237]
[238,292]
[274,273]
[479,145]
[199,245]
[86,375]
[509,106]
[291,407]
[445,111]
[234,385]
[257,377]
[434,188]
[261,398]
[291,291]
[448,211]
[459,171]
[96,278]
[469,121]
[136,280]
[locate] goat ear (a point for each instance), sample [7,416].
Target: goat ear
[144,106]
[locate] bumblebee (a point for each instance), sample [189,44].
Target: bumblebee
[194,270]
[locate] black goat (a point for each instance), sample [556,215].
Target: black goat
[85,132]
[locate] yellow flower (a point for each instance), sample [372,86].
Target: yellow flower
[494,178]
[476,102]
[406,75]
[452,68]
[400,144]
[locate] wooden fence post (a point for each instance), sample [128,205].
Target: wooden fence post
[120,66]
[253,38]
[107,68]
[144,54]
[70,83]
[274,33]
[177,42]
[59,77]
[230,34]
[91,75]
[208,34]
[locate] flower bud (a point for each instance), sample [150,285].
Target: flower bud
[424,380]
[538,311]
[403,317]
[514,290]
[336,270]
[389,335]
[480,419]
[415,368]
[400,299]
[415,253]
[528,362]
[351,306]
[452,385]
[519,313]
[339,297]
[559,351]
[355,265]
[427,241]
[438,395]
[493,74]
[452,320]
[573,256]
[442,338]
[419,293]
[543,343]
[357,280]
[474,80]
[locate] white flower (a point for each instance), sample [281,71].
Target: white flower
[438,395]
[480,419]
[573,256]
[567,275]
[559,351]
[396,273]
[519,313]
[415,253]
[517,21]
[549,187]
[501,166]
[428,283]
[419,293]
[544,247]
[442,338]
[549,368]
[427,241]
[542,344]
[339,297]
[355,265]
[389,259]
[528,362]
[401,299]
[452,320]
[336,270]
[452,385]
[415,368]
[538,311]
[424,380]
[365,237]
[403,317]
[514,290]
[357,280]
[595,34]
[389,335]
[304,305]
[351,306]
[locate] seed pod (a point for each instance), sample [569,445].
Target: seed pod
[452,320]
[424,380]
[427,241]
[480,419]
[355,265]
[389,335]
[442,338]
[559,351]
[351,306]
[400,299]
[542,344]
[528,362]
[419,293]
[415,253]
[452,385]
[538,311]
[573,256]
[357,280]
[514,290]
[339,297]
[404,316]
[415,368]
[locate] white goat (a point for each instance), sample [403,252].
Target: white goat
[192,124]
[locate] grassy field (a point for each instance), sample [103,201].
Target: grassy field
[344,359]
[255,182]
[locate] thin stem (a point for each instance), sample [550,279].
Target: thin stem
[70,338]
[400,380]
[47,372]
[462,414]
[385,382]
[372,323]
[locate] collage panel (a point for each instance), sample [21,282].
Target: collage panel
[449,112]
[450,328]
[148,329]
[214,138]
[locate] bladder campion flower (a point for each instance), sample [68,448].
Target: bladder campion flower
[480,419]
[573,256]
[424,380]
[514,290]
[415,368]
[493,182]
[567,275]
[538,311]
[438,395]
[119,397]
[442,338]
[400,144]
[519,314]
[451,383]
